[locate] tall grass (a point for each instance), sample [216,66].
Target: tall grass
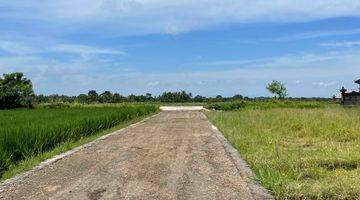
[237,105]
[298,153]
[26,133]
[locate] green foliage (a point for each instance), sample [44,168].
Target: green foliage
[175,97]
[106,97]
[237,97]
[93,96]
[82,98]
[26,133]
[15,91]
[167,97]
[199,99]
[298,153]
[56,105]
[237,105]
[277,88]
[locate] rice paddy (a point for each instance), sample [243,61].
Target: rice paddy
[27,133]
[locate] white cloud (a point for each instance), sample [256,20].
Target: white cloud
[317,34]
[300,72]
[164,16]
[85,50]
[341,44]
[319,74]
[11,61]
[153,83]
[298,60]
[325,84]
[16,48]
[19,46]
[229,62]
[172,29]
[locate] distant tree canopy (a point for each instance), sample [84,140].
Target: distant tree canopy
[175,97]
[278,88]
[238,97]
[106,97]
[93,96]
[169,97]
[15,91]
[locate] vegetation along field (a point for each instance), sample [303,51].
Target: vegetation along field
[25,133]
[298,153]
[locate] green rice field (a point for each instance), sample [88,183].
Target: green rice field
[25,133]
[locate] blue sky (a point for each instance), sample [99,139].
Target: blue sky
[205,47]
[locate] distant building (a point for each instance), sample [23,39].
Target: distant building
[350,98]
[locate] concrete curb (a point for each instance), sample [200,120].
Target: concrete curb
[20,177]
[243,168]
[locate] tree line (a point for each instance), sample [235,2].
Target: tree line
[108,97]
[17,91]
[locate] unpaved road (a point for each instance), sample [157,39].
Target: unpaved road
[174,155]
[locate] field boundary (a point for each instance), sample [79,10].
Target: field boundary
[257,190]
[18,178]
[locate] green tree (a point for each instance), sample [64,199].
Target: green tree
[118,98]
[237,97]
[278,88]
[82,98]
[175,97]
[199,98]
[93,96]
[149,97]
[106,97]
[16,91]
[132,98]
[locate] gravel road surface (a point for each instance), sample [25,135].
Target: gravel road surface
[174,155]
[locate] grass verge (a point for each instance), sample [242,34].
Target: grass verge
[298,153]
[267,104]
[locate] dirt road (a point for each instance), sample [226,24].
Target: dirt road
[174,155]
